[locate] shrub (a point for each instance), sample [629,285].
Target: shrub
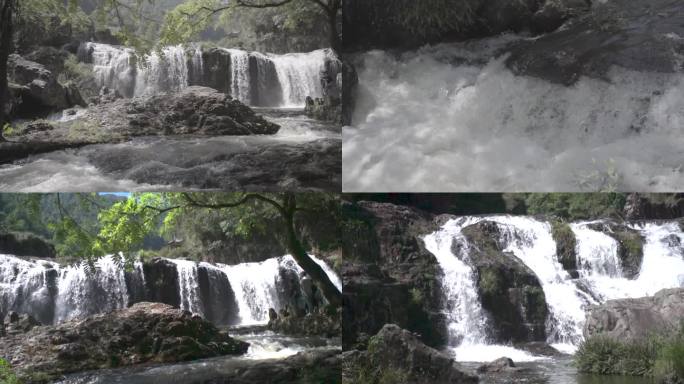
[660,355]
[6,374]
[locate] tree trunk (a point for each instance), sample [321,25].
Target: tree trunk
[335,42]
[7,9]
[294,246]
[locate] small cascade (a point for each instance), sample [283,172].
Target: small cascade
[188,286]
[300,75]
[254,287]
[597,253]
[27,287]
[240,86]
[81,293]
[466,319]
[113,67]
[162,71]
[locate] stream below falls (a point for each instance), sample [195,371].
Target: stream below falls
[303,155]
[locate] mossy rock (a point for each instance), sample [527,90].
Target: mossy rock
[630,246]
[565,244]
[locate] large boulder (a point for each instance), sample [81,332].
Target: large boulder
[41,92]
[641,35]
[143,333]
[192,111]
[635,319]
[26,244]
[509,290]
[395,355]
[161,282]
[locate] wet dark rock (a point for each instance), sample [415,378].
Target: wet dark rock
[143,333]
[630,245]
[509,290]
[641,35]
[499,365]
[16,323]
[565,246]
[654,206]
[217,295]
[41,92]
[329,106]
[635,319]
[318,323]
[26,244]
[395,355]
[161,278]
[390,276]
[554,13]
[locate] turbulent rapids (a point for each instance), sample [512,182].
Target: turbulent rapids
[600,275]
[256,79]
[228,295]
[454,117]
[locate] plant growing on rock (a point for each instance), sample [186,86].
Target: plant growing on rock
[6,374]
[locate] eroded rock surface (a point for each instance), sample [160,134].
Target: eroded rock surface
[633,319]
[143,333]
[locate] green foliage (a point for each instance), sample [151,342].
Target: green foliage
[416,296]
[489,282]
[432,17]
[6,374]
[186,21]
[7,130]
[660,355]
[576,206]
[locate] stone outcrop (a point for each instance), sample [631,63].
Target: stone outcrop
[193,111]
[143,333]
[37,88]
[318,323]
[377,24]
[388,274]
[395,355]
[509,290]
[26,244]
[634,319]
[641,35]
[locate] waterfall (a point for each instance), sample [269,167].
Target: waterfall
[465,316]
[188,286]
[254,284]
[254,78]
[53,293]
[240,87]
[530,241]
[162,71]
[300,75]
[81,293]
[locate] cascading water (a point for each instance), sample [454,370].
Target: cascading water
[256,287]
[300,75]
[531,241]
[54,293]
[188,286]
[251,74]
[240,86]
[441,117]
[463,309]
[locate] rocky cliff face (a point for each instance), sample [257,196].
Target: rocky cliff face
[377,24]
[389,276]
[143,333]
[634,319]
[26,244]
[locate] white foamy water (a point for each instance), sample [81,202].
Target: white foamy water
[600,278]
[298,75]
[464,312]
[438,119]
[53,293]
[188,286]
